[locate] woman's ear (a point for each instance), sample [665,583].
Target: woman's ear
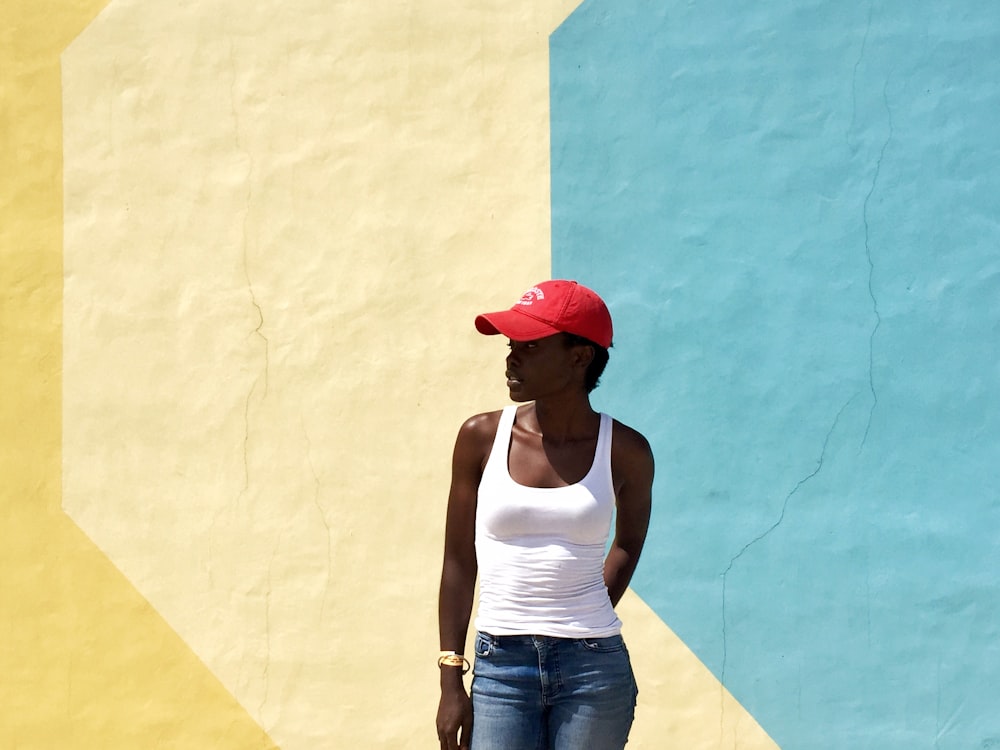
[583,355]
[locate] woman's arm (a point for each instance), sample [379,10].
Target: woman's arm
[632,468]
[458,575]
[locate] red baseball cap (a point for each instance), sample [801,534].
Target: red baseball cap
[552,307]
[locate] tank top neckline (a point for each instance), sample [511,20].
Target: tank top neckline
[507,419]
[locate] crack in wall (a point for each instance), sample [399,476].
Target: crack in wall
[854,76]
[261,378]
[939,729]
[258,330]
[69,686]
[868,595]
[871,266]
[760,537]
[266,672]
[326,523]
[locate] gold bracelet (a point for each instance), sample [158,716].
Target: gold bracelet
[451,659]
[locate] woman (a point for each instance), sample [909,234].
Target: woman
[533,492]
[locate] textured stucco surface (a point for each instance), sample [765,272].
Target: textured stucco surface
[86,661]
[279,223]
[793,209]
[276,219]
[242,247]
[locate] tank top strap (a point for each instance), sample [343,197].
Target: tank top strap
[600,474]
[603,450]
[501,441]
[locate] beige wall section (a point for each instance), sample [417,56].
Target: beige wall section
[681,703]
[279,220]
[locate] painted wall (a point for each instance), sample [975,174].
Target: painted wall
[794,209]
[242,249]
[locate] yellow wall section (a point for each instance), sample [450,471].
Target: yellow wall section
[279,221]
[87,663]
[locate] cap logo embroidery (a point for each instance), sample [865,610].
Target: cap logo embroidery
[531,296]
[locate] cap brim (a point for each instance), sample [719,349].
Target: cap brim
[514,325]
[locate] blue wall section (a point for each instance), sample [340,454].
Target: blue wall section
[794,211]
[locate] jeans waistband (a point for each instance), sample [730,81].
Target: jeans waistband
[527,639]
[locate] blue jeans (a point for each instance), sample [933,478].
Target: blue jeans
[540,693]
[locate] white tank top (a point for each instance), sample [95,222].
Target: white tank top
[541,550]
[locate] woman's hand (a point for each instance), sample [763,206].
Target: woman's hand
[454,717]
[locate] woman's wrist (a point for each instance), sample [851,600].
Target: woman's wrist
[453,660]
[452,680]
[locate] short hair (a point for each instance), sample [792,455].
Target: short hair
[592,378]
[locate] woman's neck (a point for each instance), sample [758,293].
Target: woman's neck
[563,420]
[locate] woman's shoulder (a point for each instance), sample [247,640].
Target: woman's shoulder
[632,464]
[485,419]
[480,428]
[629,442]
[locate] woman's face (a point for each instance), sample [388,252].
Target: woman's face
[540,368]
